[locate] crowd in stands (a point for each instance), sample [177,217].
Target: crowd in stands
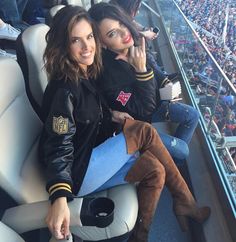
[205,80]
[15,17]
[216,25]
[210,20]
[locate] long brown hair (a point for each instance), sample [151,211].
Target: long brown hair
[59,63]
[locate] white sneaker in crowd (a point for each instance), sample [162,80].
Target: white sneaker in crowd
[6,54]
[9,32]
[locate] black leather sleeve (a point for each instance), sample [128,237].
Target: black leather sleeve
[58,148]
[137,98]
[145,94]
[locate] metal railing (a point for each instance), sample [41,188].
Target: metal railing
[209,88]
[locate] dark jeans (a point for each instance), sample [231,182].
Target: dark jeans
[187,119]
[11,10]
[32,11]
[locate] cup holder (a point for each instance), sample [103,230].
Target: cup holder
[97,212]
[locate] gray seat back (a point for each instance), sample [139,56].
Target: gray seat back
[20,128]
[30,48]
[7,234]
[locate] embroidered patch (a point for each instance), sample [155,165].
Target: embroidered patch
[123,97]
[60,125]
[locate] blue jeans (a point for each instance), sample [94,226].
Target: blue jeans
[177,148]
[187,119]
[108,162]
[12,10]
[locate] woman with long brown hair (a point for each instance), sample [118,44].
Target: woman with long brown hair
[78,147]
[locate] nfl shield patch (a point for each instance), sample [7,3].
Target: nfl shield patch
[60,125]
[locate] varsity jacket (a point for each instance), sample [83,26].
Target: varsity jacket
[126,90]
[75,121]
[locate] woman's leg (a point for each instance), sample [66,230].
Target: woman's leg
[177,148]
[119,177]
[187,118]
[150,174]
[9,11]
[106,160]
[184,115]
[21,4]
[143,137]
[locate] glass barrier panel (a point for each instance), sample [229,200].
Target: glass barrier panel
[210,89]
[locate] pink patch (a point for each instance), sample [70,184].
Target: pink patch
[123,97]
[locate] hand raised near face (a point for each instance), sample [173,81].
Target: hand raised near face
[136,57]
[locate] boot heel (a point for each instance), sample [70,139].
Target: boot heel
[183,222]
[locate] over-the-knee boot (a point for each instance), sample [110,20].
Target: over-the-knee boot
[143,137]
[150,174]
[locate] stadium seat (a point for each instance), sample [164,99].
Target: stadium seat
[7,234]
[21,176]
[30,47]
[52,11]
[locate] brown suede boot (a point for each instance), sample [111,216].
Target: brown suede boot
[150,174]
[143,137]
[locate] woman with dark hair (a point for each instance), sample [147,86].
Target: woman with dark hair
[78,147]
[118,79]
[131,7]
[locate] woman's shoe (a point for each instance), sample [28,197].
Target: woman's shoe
[184,213]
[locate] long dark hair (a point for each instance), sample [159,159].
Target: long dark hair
[59,63]
[130,6]
[102,10]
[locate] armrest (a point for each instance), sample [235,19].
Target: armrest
[32,216]
[88,211]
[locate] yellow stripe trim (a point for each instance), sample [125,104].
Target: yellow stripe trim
[59,184]
[144,75]
[146,79]
[165,81]
[60,188]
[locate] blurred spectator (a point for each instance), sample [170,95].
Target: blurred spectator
[33,10]
[216,26]
[7,31]
[131,7]
[11,11]
[5,54]
[228,100]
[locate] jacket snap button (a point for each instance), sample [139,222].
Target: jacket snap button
[87,121]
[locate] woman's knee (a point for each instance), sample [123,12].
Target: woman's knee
[183,150]
[145,129]
[178,149]
[193,114]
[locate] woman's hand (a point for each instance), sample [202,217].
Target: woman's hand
[58,218]
[120,117]
[149,34]
[136,57]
